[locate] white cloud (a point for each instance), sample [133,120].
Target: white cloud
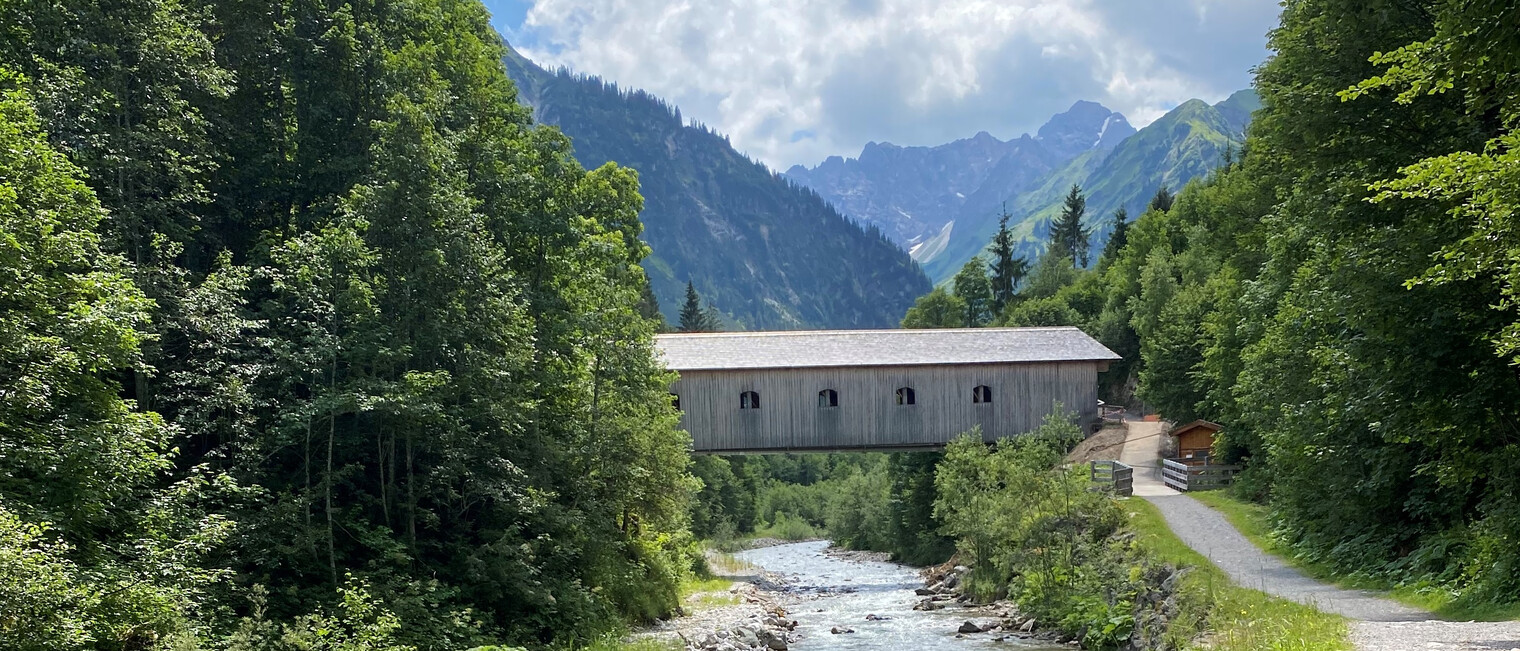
[793,81]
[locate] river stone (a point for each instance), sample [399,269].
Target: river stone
[772,641]
[747,636]
[923,592]
[840,629]
[969,627]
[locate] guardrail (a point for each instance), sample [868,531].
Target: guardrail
[1114,476]
[1196,476]
[1111,413]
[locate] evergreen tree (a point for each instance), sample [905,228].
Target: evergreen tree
[975,292]
[1007,271]
[649,308]
[1118,237]
[695,317]
[1068,237]
[1162,201]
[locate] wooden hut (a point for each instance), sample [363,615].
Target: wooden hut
[877,389]
[1195,440]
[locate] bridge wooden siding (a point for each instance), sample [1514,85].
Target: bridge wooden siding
[942,371]
[868,415]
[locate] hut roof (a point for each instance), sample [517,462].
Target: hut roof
[833,348]
[1197,424]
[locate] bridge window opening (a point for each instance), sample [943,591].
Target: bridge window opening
[828,398]
[675,400]
[905,396]
[749,400]
[982,394]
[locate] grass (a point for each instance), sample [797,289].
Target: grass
[1255,523]
[787,527]
[618,643]
[1229,617]
[711,592]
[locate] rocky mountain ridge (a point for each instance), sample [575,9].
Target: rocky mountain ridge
[918,195]
[913,193]
[766,252]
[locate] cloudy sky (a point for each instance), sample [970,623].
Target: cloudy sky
[794,81]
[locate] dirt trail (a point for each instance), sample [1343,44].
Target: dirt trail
[1381,624]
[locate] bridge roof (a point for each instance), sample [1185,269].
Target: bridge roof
[834,348]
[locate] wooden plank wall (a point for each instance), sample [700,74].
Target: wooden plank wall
[868,416]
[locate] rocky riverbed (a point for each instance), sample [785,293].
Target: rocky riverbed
[811,596]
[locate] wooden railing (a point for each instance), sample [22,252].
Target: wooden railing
[1195,474]
[1114,476]
[1111,413]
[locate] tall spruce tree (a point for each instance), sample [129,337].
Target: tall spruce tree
[695,317]
[1007,271]
[1118,237]
[1068,237]
[1163,200]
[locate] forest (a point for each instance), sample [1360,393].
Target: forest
[1340,295]
[310,339]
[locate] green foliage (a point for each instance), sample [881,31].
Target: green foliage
[360,624]
[1036,534]
[399,315]
[1119,234]
[975,292]
[1234,618]
[95,551]
[1049,311]
[1007,271]
[1069,238]
[937,309]
[1338,300]
[769,254]
[694,317]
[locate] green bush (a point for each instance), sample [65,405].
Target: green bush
[1036,533]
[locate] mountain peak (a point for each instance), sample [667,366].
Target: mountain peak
[1086,125]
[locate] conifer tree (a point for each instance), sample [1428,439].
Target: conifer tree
[694,318]
[1163,200]
[1068,236]
[1120,235]
[1007,271]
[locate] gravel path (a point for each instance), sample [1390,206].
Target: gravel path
[1382,624]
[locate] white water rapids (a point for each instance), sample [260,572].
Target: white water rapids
[825,591]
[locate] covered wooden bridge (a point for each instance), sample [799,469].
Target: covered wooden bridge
[877,389]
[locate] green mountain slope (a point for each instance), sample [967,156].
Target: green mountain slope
[766,252]
[1186,143]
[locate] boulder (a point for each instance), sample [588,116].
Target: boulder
[772,641]
[747,636]
[923,592]
[837,630]
[969,627]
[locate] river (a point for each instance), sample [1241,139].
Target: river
[824,591]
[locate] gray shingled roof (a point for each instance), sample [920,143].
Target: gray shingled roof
[821,348]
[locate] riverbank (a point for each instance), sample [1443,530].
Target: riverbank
[811,595]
